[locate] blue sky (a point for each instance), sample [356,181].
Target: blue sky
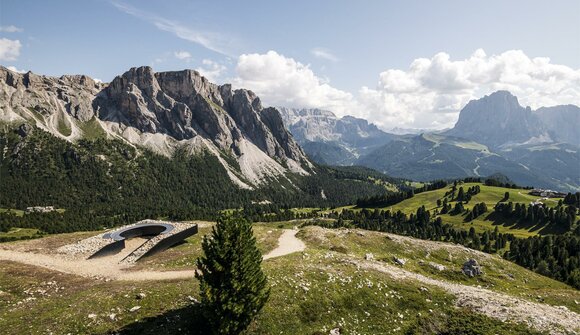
[346,53]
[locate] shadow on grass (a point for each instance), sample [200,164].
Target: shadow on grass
[187,320]
[540,228]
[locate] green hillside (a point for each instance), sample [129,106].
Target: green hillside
[329,285]
[490,195]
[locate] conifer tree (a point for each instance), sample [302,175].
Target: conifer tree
[460,195]
[232,285]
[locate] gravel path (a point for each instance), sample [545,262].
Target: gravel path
[111,268]
[287,243]
[555,320]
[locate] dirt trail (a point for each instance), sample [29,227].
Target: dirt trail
[555,320]
[287,243]
[110,268]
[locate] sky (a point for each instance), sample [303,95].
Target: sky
[406,64]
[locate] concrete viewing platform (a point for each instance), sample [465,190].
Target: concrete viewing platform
[132,242]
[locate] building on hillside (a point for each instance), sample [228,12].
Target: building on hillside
[547,193]
[39,209]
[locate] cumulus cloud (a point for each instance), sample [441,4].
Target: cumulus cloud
[9,49]
[211,70]
[282,81]
[10,29]
[428,94]
[323,53]
[431,92]
[183,55]
[14,69]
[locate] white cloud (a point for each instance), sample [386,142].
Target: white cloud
[323,53]
[10,29]
[427,95]
[431,92]
[282,81]
[183,55]
[211,70]
[210,40]
[9,49]
[14,69]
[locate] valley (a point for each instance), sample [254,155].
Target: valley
[356,230]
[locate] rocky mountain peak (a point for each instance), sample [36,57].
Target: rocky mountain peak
[498,119]
[159,110]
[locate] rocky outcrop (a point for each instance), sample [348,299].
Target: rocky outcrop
[471,268]
[162,111]
[50,100]
[184,104]
[332,140]
[562,122]
[498,119]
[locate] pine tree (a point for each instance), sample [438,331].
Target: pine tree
[232,285]
[460,194]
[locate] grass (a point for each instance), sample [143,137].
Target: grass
[92,129]
[311,292]
[21,233]
[490,196]
[499,275]
[63,126]
[16,212]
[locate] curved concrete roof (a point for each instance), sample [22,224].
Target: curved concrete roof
[139,230]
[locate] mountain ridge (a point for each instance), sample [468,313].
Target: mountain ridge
[161,111]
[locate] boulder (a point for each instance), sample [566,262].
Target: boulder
[24,129]
[399,261]
[369,257]
[334,331]
[471,268]
[437,266]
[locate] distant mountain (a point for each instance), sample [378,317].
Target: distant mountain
[430,156]
[498,119]
[412,131]
[493,134]
[562,122]
[331,140]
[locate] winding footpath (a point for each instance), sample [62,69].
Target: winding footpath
[110,268]
[288,243]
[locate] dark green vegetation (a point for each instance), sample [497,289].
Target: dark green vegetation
[232,286]
[105,182]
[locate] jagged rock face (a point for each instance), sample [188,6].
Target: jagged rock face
[320,131]
[183,104]
[24,95]
[161,111]
[562,122]
[498,119]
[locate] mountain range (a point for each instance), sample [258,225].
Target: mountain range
[494,134]
[177,112]
[194,143]
[161,111]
